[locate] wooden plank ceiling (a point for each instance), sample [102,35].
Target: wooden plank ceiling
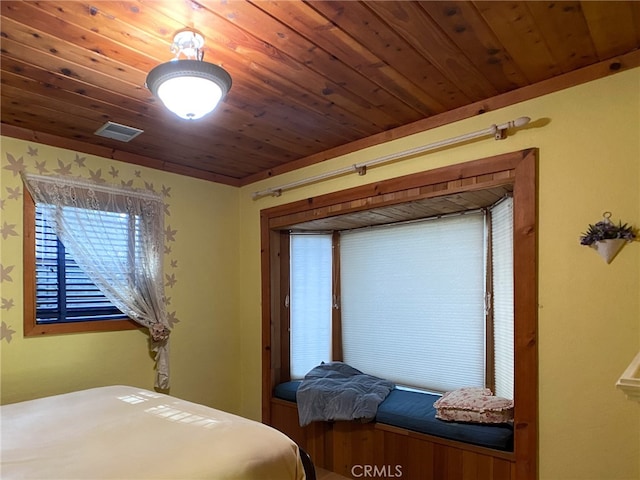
[309,78]
[428,207]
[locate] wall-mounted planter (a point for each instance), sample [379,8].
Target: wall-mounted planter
[608,249]
[607,238]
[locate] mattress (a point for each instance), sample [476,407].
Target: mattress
[131,433]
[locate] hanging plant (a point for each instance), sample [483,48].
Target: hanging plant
[605,229]
[606,237]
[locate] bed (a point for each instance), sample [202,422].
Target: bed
[131,433]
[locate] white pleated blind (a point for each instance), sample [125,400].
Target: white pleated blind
[310,302]
[413,302]
[502,239]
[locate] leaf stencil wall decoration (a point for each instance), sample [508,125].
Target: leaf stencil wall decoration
[30,158]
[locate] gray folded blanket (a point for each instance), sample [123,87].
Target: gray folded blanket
[337,391]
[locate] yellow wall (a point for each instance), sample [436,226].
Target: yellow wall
[589,312]
[589,316]
[200,272]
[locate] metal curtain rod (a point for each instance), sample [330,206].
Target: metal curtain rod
[498,132]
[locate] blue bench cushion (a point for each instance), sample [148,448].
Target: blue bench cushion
[287,390]
[415,411]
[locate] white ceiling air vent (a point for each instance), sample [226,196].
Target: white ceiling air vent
[118,131]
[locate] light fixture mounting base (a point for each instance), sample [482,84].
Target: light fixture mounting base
[189,42]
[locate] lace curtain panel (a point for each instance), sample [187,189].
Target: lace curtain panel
[83,215]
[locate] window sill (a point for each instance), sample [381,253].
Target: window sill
[35,330]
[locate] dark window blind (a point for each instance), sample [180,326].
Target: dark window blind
[64,292]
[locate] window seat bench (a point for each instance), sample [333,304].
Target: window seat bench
[414,411]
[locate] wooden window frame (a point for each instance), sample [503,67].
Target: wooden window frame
[31,327]
[516,169]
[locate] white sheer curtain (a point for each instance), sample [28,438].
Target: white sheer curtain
[82,215]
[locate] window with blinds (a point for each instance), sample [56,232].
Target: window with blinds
[414,300]
[503,319]
[64,292]
[310,302]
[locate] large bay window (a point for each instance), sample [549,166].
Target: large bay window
[424,306]
[415,301]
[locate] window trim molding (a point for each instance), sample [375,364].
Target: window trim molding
[518,169]
[30,326]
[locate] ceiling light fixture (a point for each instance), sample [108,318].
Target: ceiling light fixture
[189,87]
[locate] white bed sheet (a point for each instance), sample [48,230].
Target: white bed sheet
[130,433]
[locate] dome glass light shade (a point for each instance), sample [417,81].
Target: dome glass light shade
[189,88]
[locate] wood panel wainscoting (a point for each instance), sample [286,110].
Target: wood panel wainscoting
[341,446]
[347,448]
